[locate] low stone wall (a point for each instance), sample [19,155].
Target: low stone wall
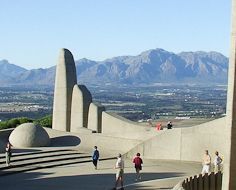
[205,182]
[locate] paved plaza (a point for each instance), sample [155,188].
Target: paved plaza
[156,174]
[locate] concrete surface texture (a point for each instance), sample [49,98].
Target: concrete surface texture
[81,99]
[95,117]
[29,135]
[186,144]
[118,126]
[83,141]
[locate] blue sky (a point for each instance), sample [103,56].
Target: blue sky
[33,32]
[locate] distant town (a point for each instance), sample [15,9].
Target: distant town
[138,104]
[25,102]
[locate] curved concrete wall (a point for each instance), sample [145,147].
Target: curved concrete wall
[117,126]
[107,145]
[187,144]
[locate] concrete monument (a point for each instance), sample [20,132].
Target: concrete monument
[81,99]
[64,84]
[74,111]
[29,135]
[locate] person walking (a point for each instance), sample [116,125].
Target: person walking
[217,162]
[138,166]
[120,172]
[8,153]
[206,162]
[95,157]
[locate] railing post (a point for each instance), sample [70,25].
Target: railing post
[206,182]
[188,184]
[218,177]
[184,184]
[195,182]
[191,183]
[200,182]
[212,177]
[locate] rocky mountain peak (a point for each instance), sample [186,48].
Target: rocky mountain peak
[151,66]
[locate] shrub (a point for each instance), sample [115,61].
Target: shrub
[12,123]
[45,121]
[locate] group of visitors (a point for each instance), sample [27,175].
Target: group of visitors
[206,163]
[119,166]
[168,126]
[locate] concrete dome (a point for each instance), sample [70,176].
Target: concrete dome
[29,135]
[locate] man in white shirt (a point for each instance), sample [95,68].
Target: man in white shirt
[206,163]
[120,171]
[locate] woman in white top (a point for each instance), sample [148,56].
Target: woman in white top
[217,162]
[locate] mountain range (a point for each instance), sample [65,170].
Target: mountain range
[149,67]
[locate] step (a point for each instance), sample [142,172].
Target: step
[42,155]
[16,154]
[45,164]
[40,160]
[26,159]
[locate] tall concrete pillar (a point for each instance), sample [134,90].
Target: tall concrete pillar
[95,117]
[229,181]
[81,100]
[64,83]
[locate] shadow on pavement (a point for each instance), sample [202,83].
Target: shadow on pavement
[38,181]
[67,140]
[22,150]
